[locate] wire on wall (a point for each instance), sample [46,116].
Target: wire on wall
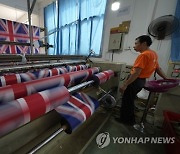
[112,56]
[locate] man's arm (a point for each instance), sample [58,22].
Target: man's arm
[132,77]
[161,73]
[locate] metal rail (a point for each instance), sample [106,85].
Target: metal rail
[48,139]
[25,44]
[17,57]
[30,9]
[36,66]
[71,90]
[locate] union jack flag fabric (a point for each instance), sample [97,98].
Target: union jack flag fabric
[15,91]
[102,77]
[76,68]
[10,79]
[17,32]
[21,111]
[77,110]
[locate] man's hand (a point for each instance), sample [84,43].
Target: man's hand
[122,89]
[132,78]
[161,73]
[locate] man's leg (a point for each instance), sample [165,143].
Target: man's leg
[127,108]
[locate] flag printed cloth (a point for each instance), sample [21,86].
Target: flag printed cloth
[76,68]
[102,77]
[21,111]
[77,110]
[9,79]
[29,76]
[17,32]
[15,91]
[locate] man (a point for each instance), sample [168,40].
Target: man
[145,64]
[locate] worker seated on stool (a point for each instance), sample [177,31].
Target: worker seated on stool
[145,64]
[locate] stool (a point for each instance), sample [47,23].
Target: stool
[159,86]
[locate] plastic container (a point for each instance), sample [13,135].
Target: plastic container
[169,131]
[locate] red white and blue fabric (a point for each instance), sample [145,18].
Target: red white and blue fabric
[77,68]
[15,91]
[77,110]
[10,79]
[102,77]
[21,111]
[17,32]
[29,76]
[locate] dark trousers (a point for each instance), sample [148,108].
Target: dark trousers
[127,108]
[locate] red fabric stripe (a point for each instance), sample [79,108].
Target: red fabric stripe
[90,73]
[83,107]
[36,104]
[10,79]
[11,36]
[107,75]
[103,76]
[19,90]
[54,71]
[66,79]
[78,67]
[18,36]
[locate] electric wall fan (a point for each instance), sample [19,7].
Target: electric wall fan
[163,26]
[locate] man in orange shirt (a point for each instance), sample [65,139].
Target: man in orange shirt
[145,64]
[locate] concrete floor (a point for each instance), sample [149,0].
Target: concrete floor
[116,129]
[83,140]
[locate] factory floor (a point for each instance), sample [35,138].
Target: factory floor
[83,140]
[115,130]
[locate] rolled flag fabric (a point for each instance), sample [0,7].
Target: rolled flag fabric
[76,68]
[29,76]
[51,72]
[9,79]
[102,77]
[16,91]
[21,111]
[77,110]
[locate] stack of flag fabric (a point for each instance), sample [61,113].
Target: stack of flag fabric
[23,102]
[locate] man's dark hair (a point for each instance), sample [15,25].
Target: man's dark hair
[144,38]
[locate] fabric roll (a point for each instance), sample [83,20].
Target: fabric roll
[21,111]
[51,72]
[16,91]
[102,77]
[9,79]
[76,68]
[77,110]
[29,76]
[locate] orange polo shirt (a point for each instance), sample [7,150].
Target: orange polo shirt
[148,62]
